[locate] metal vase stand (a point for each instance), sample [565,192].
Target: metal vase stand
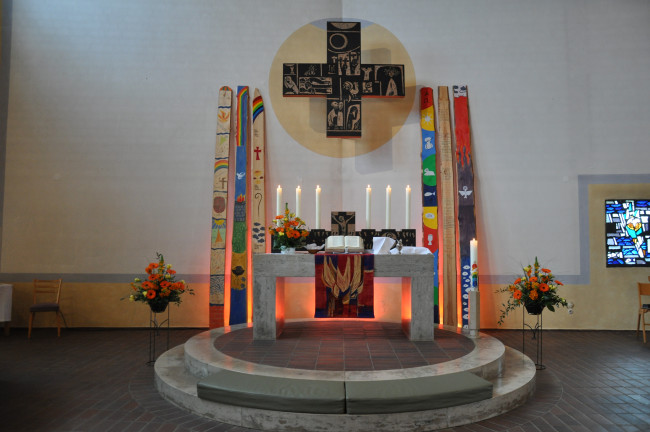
[155,327]
[536,333]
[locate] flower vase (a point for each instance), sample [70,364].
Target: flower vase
[285,250]
[534,308]
[158,307]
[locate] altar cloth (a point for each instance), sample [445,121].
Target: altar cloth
[344,285]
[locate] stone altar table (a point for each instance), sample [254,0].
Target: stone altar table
[417,296]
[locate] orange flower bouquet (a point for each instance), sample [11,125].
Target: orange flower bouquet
[288,231]
[536,289]
[160,286]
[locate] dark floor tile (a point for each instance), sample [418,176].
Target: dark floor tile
[585,386]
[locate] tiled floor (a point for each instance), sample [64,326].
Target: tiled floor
[344,345]
[98,380]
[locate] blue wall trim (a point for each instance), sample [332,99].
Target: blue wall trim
[583,222]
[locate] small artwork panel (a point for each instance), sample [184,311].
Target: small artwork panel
[407,236]
[290,79]
[385,80]
[627,232]
[343,223]
[344,47]
[315,86]
[318,236]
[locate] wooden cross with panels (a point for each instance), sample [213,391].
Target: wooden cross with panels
[343,80]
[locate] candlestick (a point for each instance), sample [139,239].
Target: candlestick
[298,199]
[318,207]
[388,191]
[368,206]
[407,225]
[278,203]
[473,254]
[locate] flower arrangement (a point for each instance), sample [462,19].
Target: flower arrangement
[160,287]
[288,231]
[536,289]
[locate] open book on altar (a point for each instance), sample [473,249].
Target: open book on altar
[350,244]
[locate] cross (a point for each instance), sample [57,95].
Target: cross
[340,80]
[257,153]
[223,180]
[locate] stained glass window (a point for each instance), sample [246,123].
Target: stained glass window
[626,228]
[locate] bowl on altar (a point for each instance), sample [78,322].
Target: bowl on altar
[313,248]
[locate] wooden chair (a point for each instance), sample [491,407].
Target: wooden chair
[644,308]
[46,299]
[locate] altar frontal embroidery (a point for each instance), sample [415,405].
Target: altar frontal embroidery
[344,285]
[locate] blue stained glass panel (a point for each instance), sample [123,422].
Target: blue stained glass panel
[627,232]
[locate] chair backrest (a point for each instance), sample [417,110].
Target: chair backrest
[50,289]
[644,290]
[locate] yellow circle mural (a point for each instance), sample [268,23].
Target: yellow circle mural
[305,118]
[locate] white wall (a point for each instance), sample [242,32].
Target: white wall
[112,116]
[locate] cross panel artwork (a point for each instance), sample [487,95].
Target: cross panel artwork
[343,80]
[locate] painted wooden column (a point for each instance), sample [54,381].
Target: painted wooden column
[448,195]
[219,209]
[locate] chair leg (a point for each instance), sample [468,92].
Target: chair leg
[58,324]
[643,321]
[638,322]
[31,321]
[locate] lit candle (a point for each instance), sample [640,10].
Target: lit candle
[473,253]
[317,207]
[278,202]
[368,197]
[298,198]
[408,207]
[388,207]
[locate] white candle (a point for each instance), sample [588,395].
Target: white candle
[408,207]
[368,207]
[298,198]
[388,207]
[473,253]
[318,207]
[278,203]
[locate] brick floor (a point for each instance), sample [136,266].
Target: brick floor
[99,380]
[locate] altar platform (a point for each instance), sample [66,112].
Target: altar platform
[348,350]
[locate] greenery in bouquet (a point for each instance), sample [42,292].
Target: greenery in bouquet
[536,288]
[288,230]
[160,286]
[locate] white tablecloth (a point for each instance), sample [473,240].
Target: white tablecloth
[6,292]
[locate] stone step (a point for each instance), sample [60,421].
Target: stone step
[179,370]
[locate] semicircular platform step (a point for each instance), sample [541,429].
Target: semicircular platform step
[511,373]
